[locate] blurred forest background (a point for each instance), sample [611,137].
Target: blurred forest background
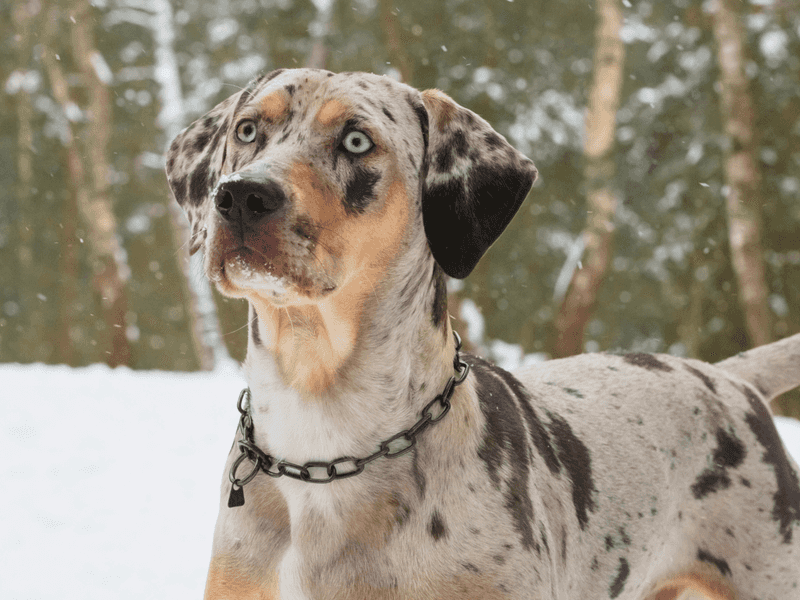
[666,133]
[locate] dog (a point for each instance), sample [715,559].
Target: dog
[373,460]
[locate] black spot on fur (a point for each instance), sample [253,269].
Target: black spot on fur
[439,309]
[493,140]
[471,567]
[707,381]
[575,457]
[729,453]
[254,327]
[468,118]
[444,160]
[261,142]
[459,144]
[360,189]
[646,361]
[543,533]
[388,114]
[745,482]
[623,536]
[198,185]
[539,435]
[786,500]
[201,140]
[253,86]
[619,581]
[505,442]
[422,116]
[290,89]
[179,187]
[609,543]
[707,557]
[270,76]
[436,527]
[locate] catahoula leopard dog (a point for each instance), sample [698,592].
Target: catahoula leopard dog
[337,204]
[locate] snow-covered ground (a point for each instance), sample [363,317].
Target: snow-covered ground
[111,478]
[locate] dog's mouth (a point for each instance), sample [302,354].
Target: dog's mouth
[247,271]
[280,280]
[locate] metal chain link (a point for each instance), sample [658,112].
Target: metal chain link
[264,462]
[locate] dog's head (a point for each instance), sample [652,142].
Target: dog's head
[306,178]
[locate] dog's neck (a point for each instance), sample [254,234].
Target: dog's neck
[337,377]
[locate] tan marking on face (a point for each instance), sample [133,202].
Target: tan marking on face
[330,112]
[314,339]
[441,106]
[313,197]
[273,105]
[226,581]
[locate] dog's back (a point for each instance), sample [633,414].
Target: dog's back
[675,469]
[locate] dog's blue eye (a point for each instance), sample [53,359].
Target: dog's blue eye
[357,142]
[246,131]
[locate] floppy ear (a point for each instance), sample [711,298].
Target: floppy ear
[194,165]
[474,185]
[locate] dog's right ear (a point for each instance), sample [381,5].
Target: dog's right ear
[196,157]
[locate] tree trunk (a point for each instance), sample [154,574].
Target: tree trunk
[604,98]
[319,29]
[743,180]
[394,43]
[108,260]
[204,322]
[78,193]
[23,15]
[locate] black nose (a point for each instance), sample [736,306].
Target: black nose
[249,201]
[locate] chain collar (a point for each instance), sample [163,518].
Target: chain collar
[277,468]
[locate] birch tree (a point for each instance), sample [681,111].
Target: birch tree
[601,198]
[742,193]
[109,260]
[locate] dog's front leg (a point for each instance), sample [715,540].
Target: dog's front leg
[249,542]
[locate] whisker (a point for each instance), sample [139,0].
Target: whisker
[235,330]
[189,241]
[289,316]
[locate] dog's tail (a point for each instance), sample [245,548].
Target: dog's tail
[772,369]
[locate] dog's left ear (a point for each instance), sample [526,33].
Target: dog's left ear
[475,183]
